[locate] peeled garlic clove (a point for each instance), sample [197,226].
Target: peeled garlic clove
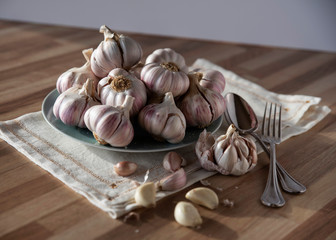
[203,196]
[174,181]
[71,105]
[165,71]
[77,76]
[211,79]
[187,215]
[125,168]
[173,161]
[110,124]
[114,88]
[200,106]
[164,120]
[145,195]
[116,51]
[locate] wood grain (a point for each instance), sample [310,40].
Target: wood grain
[35,205]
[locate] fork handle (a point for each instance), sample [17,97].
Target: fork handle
[272,196]
[288,183]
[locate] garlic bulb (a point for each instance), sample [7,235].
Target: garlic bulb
[72,104]
[111,125]
[165,71]
[77,76]
[200,106]
[164,121]
[211,79]
[113,89]
[228,154]
[116,51]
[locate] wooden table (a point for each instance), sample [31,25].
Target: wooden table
[35,205]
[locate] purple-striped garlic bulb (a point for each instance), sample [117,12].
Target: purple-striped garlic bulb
[164,121]
[228,154]
[111,125]
[77,76]
[211,79]
[200,106]
[72,104]
[113,89]
[115,51]
[165,71]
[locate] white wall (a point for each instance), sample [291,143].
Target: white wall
[307,24]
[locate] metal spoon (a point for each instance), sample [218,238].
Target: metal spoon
[240,113]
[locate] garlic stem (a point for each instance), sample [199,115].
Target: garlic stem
[87,54]
[108,33]
[127,105]
[87,89]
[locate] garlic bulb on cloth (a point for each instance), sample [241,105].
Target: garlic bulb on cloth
[165,71]
[113,89]
[228,154]
[164,120]
[211,79]
[200,106]
[72,104]
[111,125]
[77,76]
[115,51]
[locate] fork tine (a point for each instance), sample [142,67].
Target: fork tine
[264,120]
[269,120]
[274,120]
[279,131]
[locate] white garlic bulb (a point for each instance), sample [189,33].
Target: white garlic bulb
[116,51]
[211,79]
[200,106]
[72,104]
[165,71]
[228,154]
[164,120]
[77,76]
[111,125]
[113,89]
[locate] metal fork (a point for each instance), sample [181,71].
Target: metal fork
[271,133]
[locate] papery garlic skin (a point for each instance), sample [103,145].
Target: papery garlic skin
[211,79]
[173,161]
[164,121]
[116,51]
[174,181]
[165,71]
[113,89]
[187,215]
[200,106]
[77,76]
[229,154]
[71,105]
[111,125]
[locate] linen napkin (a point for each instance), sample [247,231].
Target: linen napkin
[89,170]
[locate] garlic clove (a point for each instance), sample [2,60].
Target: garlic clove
[175,181]
[203,196]
[125,168]
[228,159]
[173,161]
[187,215]
[145,195]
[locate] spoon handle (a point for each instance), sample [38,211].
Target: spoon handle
[288,183]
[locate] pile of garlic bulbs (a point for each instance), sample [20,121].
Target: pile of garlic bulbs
[113,90]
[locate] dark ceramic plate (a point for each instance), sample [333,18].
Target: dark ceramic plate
[142,141]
